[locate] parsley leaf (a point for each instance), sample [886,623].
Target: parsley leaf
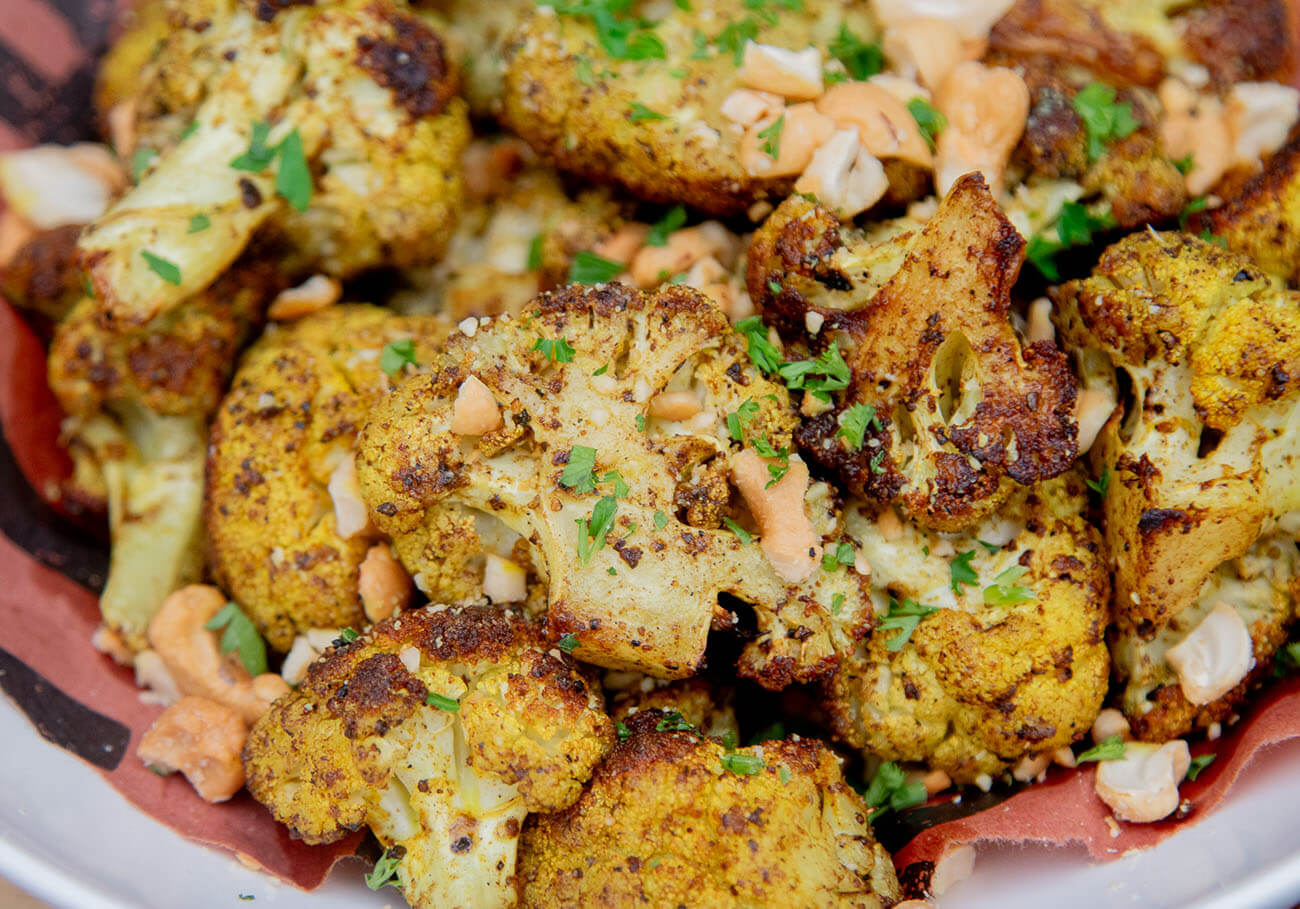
[1103,117]
[771,137]
[535,253]
[854,423]
[1110,750]
[889,789]
[1185,164]
[568,643]
[928,119]
[293,178]
[903,617]
[837,603]
[961,572]
[740,532]
[140,162]
[592,532]
[670,222]
[638,112]
[1200,203]
[442,702]
[240,635]
[259,155]
[833,558]
[557,351]
[167,270]
[1004,592]
[199,223]
[347,635]
[622,38]
[860,59]
[743,764]
[761,350]
[589,268]
[579,473]
[1075,226]
[661,520]
[1199,763]
[1101,485]
[395,356]
[623,732]
[384,874]
[739,418]
[735,36]
[672,722]
[821,376]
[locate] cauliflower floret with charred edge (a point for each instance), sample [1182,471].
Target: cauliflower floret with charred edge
[961,408]
[441,729]
[700,702]
[286,525]
[43,275]
[477,34]
[358,168]
[632,545]
[652,120]
[1014,661]
[674,819]
[1201,463]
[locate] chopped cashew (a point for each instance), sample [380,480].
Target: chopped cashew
[1214,657]
[383,584]
[1260,115]
[844,175]
[301,655]
[151,673]
[51,185]
[109,642]
[889,525]
[624,243]
[986,108]
[710,277]
[936,781]
[745,107]
[193,656]
[1064,757]
[885,127]
[1092,408]
[803,130]
[503,580]
[1110,723]
[475,411]
[350,515]
[1029,767]
[316,293]
[926,47]
[1195,125]
[788,540]
[1039,324]
[973,19]
[675,405]
[652,265]
[793,74]
[121,127]
[1142,786]
[203,740]
[954,866]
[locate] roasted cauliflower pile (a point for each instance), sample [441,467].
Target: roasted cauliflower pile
[674,818]
[1200,493]
[441,729]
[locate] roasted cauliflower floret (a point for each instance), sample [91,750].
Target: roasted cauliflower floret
[477,34]
[1013,662]
[43,275]
[287,529]
[698,702]
[441,729]
[1202,461]
[636,96]
[961,407]
[334,128]
[674,819]
[606,448]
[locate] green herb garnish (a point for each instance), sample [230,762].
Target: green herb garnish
[240,636]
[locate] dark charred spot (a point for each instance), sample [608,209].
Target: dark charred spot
[387,509]
[266,9]
[629,554]
[248,477]
[1157,520]
[249,194]
[462,844]
[1036,732]
[412,65]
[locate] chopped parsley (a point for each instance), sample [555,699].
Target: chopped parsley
[442,702]
[854,423]
[903,617]
[890,789]
[348,634]
[661,520]
[729,740]
[589,268]
[568,643]
[640,422]
[1110,750]
[1075,226]
[592,532]
[190,130]
[638,112]
[834,557]
[766,450]
[739,418]
[535,253]
[876,462]
[1104,118]
[771,137]
[961,571]
[623,732]
[771,733]
[396,355]
[557,351]
[673,722]
[293,177]
[1004,592]
[240,636]
[1101,485]
[1199,763]
[141,161]
[861,60]
[199,223]
[928,119]
[735,36]
[259,155]
[837,603]
[601,371]
[1185,164]
[1200,203]
[762,351]
[740,532]
[743,764]
[621,37]
[784,774]
[384,874]
[579,473]
[167,270]
[670,222]
[621,488]
[821,376]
